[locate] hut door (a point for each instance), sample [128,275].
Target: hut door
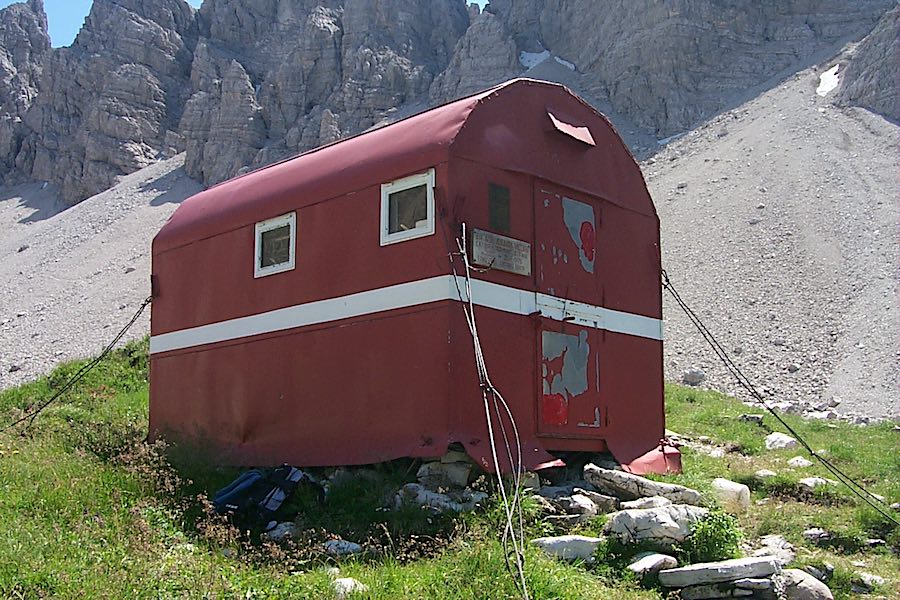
[569,398]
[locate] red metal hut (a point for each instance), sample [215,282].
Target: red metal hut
[307,312]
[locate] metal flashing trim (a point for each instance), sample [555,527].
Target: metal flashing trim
[404,295]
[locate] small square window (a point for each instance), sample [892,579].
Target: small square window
[275,242]
[407,208]
[498,208]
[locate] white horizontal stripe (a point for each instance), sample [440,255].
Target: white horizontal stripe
[413,293]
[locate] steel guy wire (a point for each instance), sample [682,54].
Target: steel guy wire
[511,508]
[84,370]
[865,495]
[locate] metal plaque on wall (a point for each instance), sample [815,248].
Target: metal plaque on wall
[501,252]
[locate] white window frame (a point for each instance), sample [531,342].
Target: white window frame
[426,178]
[268,225]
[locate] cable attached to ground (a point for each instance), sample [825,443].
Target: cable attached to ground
[866,496]
[84,370]
[514,527]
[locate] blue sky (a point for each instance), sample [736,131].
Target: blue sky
[65,17]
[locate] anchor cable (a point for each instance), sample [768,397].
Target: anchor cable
[868,497]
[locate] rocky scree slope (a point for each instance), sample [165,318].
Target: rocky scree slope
[779,227]
[239,84]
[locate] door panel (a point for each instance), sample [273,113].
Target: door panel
[569,399]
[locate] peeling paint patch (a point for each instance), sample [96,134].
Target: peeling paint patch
[565,363]
[579,219]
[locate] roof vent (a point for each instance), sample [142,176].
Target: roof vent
[576,132]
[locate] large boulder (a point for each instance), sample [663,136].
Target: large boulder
[569,547]
[647,563]
[662,526]
[627,486]
[780,441]
[799,585]
[719,572]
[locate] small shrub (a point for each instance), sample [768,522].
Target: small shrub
[714,537]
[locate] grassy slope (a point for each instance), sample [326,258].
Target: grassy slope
[88,510]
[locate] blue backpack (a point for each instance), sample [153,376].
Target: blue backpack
[257,494]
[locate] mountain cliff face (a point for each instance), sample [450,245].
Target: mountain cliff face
[871,79]
[242,83]
[24,44]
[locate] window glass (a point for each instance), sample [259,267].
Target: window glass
[498,208]
[408,209]
[275,242]
[276,246]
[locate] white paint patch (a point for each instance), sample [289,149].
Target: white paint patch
[532,59]
[828,80]
[565,63]
[413,293]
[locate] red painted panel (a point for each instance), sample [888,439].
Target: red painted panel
[633,383]
[315,396]
[629,259]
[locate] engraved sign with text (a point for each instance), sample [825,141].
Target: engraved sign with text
[501,252]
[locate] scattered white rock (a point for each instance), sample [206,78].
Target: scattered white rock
[718,572]
[799,585]
[417,494]
[732,496]
[778,547]
[627,486]
[808,484]
[342,548]
[663,526]
[649,502]
[754,583]
[281,531]
[868,581]
[693,376]
[345,587]
[569,547]
[780,441]
[605,504]
[798,462]
[576,504]
[816,535]
[437,474]
[765,474]
[646,563]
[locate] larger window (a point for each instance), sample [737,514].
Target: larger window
[407,208]
[275,242]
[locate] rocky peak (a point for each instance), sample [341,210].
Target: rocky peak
[108,101]
[242,83]
[24,44]
[870,78]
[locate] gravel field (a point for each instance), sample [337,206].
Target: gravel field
[779,226]
[780,229]
[70,279]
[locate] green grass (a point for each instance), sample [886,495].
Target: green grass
[88,509]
